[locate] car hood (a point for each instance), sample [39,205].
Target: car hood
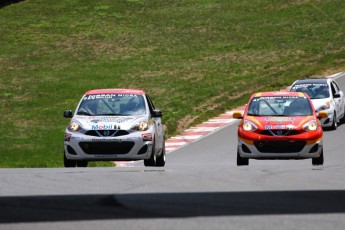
[273,122]
[318,103]
[108,122]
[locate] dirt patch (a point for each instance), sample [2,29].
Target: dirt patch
[185,123]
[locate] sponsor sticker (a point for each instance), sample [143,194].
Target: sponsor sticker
[279,119]
[107,140]
[133,138]
[302,86]
[104,127]
[289,127]
[111,119]
[107,96]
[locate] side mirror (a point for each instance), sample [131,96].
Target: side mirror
[322,114]
[237,115]
[68,113]
[337,95]
[157,113]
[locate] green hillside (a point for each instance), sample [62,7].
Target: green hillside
[196,58]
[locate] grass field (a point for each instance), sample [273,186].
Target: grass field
[196,59]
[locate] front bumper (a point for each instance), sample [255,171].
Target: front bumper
[280,148]
[79,146]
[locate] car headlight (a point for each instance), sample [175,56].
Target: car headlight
[326,106]
[140,126]
[249,126]
[310,126]
[74,126]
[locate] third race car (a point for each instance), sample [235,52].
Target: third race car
[325,94]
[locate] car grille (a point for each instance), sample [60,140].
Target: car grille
[106,133]
[279,132]
[106,147]
[279,146]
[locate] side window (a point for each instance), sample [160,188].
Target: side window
[150,103]
[336,87]
[334,90]
[253,107]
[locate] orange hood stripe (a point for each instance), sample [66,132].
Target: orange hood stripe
[304,120]
[254,120]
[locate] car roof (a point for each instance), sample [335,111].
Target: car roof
[279,93]
[115,91]
[311,81]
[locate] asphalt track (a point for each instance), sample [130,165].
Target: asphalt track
[200,188]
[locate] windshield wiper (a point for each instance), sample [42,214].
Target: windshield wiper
[253,114]
[111,114]
[84,113]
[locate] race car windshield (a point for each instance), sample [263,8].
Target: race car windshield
[112,105]
[279,106]
[314,90]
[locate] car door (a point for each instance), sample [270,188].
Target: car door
[339,101]
[157,122]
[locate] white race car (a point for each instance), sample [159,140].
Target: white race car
[326,95]
[114,125]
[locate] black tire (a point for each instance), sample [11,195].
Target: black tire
[242,161]
[152,160]
[160,161]
[68,163]
[319,160]
[82,164]
[334,123]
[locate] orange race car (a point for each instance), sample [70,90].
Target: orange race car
[279,125]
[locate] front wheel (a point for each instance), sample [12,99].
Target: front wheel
[68,163]
[319,160]
[152,160]
[160,162]
[334,124]
[241,161]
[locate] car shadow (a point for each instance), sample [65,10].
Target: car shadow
[4,3]
[168,205]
